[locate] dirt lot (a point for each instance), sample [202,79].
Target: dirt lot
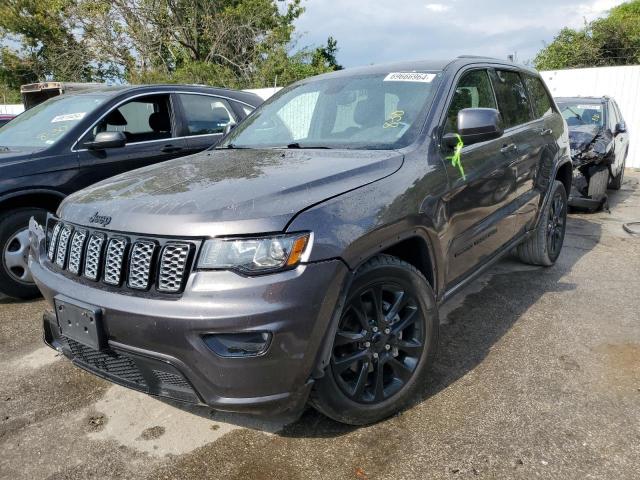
[538,376]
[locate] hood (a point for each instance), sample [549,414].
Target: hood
[590,141]
[225,192]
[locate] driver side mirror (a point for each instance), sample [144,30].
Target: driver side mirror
[620,128]
[476,125]
[105,140]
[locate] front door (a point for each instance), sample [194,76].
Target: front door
[479,187]
[149,126]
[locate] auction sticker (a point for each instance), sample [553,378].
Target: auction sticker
[410,77]
[591,106]
[69,117]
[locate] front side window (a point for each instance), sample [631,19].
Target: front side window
[512,98]
[375,111]
[141,119]
[542,104]
[205,115]
[582,113]
[44,125]
[473,91]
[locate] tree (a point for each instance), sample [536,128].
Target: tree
[613,40]
[231,43]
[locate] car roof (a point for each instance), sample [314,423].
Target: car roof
[419,66]
[118,90]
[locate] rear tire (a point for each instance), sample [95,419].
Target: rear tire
[15,279]
[544,245]
[386,338]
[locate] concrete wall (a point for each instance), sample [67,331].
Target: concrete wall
[621,83]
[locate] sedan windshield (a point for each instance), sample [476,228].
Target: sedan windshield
[577,114]
[43,125]
[378,111]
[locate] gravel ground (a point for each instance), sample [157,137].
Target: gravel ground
[538,376]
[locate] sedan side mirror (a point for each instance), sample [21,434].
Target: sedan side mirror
[105,140]
[621,127]
[476,125]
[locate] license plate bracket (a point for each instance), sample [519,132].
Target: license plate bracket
[80,321]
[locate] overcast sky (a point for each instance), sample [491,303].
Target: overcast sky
[378,31]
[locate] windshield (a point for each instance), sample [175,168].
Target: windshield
[576,113]
[43,125]
[381,111]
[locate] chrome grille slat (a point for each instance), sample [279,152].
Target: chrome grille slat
[113,260]
[93,256]
[63,244]
[54,239]
[173,263]
[140,264]
[75,253]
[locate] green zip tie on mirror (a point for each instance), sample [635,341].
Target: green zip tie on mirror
[456,162]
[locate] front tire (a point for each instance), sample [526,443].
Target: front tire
[545,244]
[386,338]
[15,278]
[615,183]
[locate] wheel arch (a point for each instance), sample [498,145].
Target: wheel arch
[37,198]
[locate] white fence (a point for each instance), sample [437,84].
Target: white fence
[11,109]
[621,83]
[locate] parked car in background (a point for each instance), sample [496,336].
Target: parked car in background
[305,257]
[599,147]
[74,140]
[5,119]
[35,93]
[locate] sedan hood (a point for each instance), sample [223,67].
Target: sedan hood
[225,192]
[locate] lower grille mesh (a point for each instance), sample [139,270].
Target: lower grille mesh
[108,362]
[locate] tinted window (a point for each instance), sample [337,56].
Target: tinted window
[376,111]
[542,104]
[205,115]
[473,91]
[512,98]
[141,119]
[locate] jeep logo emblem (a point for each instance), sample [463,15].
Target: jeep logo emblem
[100,219]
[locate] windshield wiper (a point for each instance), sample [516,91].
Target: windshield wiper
[297,145]
[232,146]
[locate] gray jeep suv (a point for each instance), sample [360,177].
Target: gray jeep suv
[303,259]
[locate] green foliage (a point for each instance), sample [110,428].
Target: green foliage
[613,40]
[231,43]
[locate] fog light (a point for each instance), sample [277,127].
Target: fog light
[249,344]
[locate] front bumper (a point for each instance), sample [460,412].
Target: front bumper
[153,343]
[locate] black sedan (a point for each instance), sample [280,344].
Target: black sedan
[72,141]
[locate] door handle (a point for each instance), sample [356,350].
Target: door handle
[512,147]
[170,149]
[546,131]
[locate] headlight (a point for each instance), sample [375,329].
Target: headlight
[254,255]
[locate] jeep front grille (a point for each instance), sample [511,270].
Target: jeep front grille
[120,260]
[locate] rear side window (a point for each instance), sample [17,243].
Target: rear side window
[204,114]
[540,100]
[512,98]
[472,91]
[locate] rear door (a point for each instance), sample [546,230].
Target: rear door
[148,122]
[204,118]
[479,191]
